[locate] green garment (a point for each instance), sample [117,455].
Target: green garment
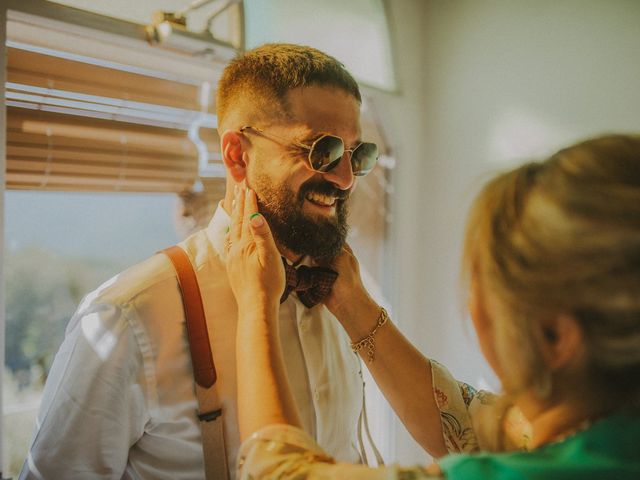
[608,450]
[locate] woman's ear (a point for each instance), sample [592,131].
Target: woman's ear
[232,155]
[563,342]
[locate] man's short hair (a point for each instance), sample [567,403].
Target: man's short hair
[263,77]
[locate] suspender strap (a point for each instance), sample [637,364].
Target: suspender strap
[204,371]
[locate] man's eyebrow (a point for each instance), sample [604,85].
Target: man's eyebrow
[310,137]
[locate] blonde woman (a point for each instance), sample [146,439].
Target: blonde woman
[552,262]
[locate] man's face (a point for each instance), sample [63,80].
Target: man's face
[306,210]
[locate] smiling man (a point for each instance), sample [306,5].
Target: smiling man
[307,208]
[120,401]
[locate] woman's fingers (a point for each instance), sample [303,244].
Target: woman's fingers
[235,231]
[259,229]
[248,225]
[252,202]
[250,207]
[253,261]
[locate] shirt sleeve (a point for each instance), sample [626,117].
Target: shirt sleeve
[453,399]
[287,453]
[474,420]
[93,406]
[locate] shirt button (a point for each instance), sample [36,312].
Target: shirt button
[316,395]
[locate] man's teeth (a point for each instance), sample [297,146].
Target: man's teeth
[321,199]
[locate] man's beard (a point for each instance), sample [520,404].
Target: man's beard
[319,237]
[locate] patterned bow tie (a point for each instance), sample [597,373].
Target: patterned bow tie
[311,284]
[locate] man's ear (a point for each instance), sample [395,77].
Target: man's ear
[563,342]
[233,155]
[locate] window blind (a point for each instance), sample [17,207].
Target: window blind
[78,125]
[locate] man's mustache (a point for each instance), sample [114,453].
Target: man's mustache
[323,188]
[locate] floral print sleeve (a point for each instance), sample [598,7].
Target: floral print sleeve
[475,420]
[287,453]
[453,399]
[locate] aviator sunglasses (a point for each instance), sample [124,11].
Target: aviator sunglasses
[326,152]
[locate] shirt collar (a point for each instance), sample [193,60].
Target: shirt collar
[217,230]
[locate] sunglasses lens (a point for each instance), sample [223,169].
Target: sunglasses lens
[364,158]
[326,153]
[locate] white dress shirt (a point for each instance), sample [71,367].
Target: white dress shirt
[119,402]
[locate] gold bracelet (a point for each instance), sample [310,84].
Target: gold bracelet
[369,340]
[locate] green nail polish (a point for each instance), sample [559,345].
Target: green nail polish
[227,230]
[256,220]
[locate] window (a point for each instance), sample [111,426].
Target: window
[103,131]
[59,247]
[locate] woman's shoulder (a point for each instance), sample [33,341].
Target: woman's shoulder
[606,449]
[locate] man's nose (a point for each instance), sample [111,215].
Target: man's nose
[342,174]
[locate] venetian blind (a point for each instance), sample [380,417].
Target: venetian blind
[74,124]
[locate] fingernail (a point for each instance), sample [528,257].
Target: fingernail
[256,220]
[227,230]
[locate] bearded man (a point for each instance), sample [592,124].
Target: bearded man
[119,401]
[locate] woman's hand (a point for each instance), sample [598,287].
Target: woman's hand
[256,275]
[349,300]
[254,264]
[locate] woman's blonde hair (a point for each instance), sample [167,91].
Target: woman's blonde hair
[563,237]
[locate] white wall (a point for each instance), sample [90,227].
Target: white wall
[484,85]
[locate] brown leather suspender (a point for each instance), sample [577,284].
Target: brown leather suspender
[204,370]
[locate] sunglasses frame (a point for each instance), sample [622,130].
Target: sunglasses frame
[327,168]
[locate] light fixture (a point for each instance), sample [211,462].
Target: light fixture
[170,29]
